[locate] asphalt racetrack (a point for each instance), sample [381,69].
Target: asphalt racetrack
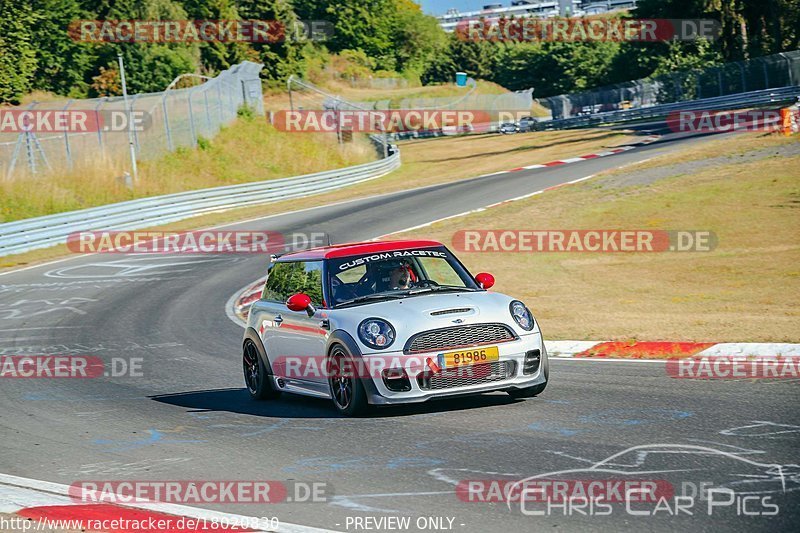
[188,416]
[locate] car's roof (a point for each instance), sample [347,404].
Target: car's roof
[356,248]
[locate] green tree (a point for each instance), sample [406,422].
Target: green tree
[217,56]
[749,28]
[679,69]
[555,67]
[418,41]
[61,62]
[366,25]
[396,34]
[149,67]
[17,51]
[283,58]
[477,58]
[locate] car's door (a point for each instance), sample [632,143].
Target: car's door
[272,303]
[295,342]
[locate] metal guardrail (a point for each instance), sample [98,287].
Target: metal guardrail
[719,103]
[41,232]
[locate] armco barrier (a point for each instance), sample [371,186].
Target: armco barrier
[41,232]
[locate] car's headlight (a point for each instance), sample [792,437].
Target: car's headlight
[376,333]
[521,315]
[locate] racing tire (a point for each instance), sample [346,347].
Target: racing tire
[256,378]
[347,391]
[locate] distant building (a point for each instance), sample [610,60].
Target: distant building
[534,8]
[595,7]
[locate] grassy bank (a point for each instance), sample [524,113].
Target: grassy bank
[746,189]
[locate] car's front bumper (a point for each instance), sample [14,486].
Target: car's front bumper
[511,353]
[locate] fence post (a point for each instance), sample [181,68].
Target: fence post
[131,140]
[788,68]
[66,139]
[228,99]
[29,146]
[219,100]
[699,87]
[166,122]
[130,124]
[191,118]
[741,71]
[208,112]
[97,119]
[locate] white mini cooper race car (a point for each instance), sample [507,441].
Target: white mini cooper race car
[387,323]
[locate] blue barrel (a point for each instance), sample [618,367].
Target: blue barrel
[461,79]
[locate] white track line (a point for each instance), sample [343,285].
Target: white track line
[605,360]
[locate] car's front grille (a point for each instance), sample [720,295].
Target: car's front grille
[467,375]
[459,337]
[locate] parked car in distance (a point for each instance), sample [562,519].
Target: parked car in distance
[526,124]
[507,128]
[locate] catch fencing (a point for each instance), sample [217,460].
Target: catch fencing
[499,107]
[752,76]
[174,118]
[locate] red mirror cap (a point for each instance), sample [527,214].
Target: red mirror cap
[298,302]
[485,280]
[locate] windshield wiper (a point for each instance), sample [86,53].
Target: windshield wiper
[435,288]
[455,288]
[369,297]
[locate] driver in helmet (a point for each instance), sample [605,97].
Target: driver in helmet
[400,276]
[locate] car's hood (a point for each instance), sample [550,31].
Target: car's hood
[431,311]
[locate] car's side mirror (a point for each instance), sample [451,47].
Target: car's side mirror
[485,280]
[301,302]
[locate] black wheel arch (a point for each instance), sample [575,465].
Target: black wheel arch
[340,336]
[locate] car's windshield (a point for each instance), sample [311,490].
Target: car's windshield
[397,273]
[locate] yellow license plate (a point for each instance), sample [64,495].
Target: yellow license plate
[473,356]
